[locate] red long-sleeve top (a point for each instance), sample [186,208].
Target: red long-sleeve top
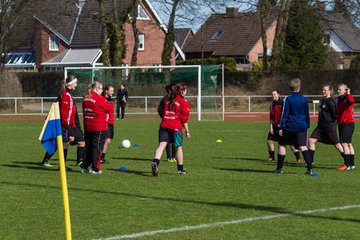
[67,109]
[345,109]
[177,116]
[110,117]
[96,110]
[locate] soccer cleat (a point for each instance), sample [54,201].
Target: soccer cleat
[171,160]
[85,170]
[96,172]
[183,171]
[154,169]
[342,168]
[277,171]
[104,161]
[46,164]
[352,167]
[79,163]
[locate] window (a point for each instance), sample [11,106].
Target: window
[217,35]
[54,42]
[142,14]
[141,42]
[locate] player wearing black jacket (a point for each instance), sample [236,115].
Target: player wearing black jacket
[121,97]
[325,132]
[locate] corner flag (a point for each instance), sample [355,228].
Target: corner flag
[51,129]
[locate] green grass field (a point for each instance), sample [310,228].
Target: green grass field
[228,181]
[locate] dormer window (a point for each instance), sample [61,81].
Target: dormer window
[142,15]
[217,35]
[54,42]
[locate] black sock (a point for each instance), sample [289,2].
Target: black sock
[347,159]
[297,155]
[180,167]
[157,161]
[47,157]
[343,156]
[65,154]
[312,154]
[308,160]
[102,155]
[352,159]
[272,154]
[280,161]
[80,154]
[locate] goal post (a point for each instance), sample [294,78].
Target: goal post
[146,83]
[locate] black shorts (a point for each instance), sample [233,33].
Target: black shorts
[170,136]
[296,139]
[78,136]
[325,136]
[110,131]
[275,135]
[346,130]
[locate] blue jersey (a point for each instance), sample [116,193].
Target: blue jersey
[295,116]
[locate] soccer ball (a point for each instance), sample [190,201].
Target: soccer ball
[126,143]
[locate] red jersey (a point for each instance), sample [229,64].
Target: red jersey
[275,111]
[345,109]
[96,110]
[177,116]
[67,109]
[110,118]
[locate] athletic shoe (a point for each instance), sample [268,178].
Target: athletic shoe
[352,167]
[299,161]
[96,172]
[154,169]
[342,168]
[85,170]
[270,159]
[277,171]
[104,161]
[46,164]
[171,160]
[183,171]
[79,163]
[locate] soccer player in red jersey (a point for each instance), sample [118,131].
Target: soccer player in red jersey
[175,118]
[107,94]
[346,126]
[273,136]
[96,110]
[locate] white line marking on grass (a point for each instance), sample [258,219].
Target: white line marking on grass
[200,226]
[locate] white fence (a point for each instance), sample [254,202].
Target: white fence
[148,104]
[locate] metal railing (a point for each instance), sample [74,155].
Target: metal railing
[240,103]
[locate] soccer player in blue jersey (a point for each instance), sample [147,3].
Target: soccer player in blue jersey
[294,122]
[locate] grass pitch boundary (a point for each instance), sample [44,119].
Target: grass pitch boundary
[242,220]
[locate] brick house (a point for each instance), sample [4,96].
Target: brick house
[70,35]
[232,34]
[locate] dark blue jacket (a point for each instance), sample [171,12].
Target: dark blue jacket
[295,116]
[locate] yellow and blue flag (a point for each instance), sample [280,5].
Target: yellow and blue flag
[51,129]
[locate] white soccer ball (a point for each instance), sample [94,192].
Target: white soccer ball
[126,143]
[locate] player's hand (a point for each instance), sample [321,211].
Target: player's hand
[271,131]
[281,132]
[187,135]
[348,91]
[71,138]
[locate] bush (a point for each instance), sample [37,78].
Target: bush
[10,87]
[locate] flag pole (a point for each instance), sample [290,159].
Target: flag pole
[64,188]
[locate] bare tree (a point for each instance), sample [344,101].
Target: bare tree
[133,17]
[9,12]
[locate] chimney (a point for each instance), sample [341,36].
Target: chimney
[232,12]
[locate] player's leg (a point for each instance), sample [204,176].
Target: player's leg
[165,136]
[296,153]
[178,142]
[45,162]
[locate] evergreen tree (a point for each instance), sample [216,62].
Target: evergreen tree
[304,49]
